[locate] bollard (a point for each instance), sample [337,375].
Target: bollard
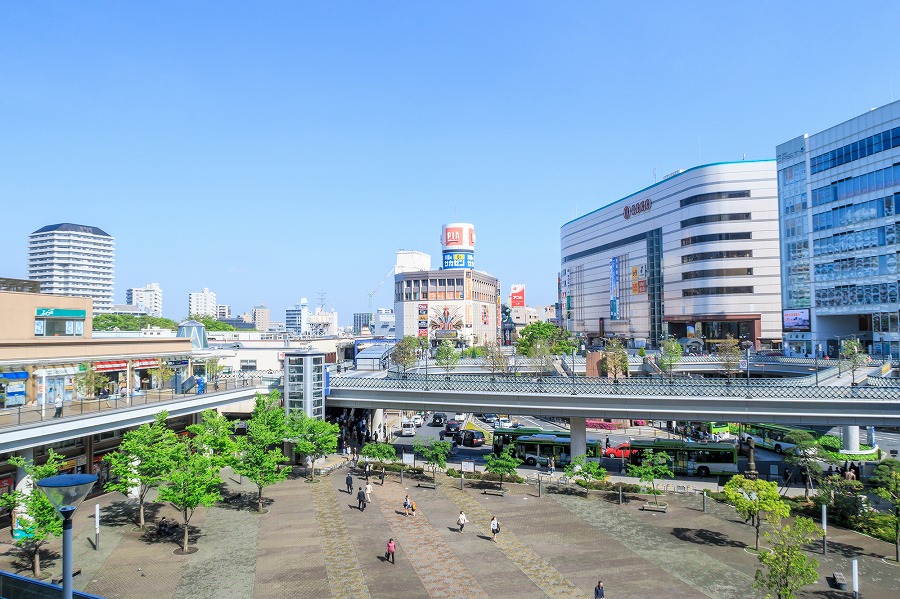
[540,485]
[401,474]
[97,527]
[462,478]
[855,580]
[620,493]
[824,530]
[704,502]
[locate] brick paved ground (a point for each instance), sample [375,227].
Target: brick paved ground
[313,542]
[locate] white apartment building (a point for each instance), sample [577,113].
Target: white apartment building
[296,319]
[694,256]
[223,311]
[202,303]
[75,260]
[839,201]
[148,298]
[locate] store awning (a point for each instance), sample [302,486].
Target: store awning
[145,363]
[56,370]
[18,374]
[111,366]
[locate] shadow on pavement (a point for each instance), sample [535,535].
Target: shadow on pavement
[22,561]
[242,502]
[706,537]
[126,513]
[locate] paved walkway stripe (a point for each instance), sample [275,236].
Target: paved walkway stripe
[541,573]
[345,577]
[708,576]
[437,566]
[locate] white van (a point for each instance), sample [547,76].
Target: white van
[408,428]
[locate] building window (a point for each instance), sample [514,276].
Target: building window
[248,365]
[716,272]
[715,237]
[714,218]
[710,197]
[698,291]
[716,255]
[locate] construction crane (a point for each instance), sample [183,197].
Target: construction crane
[372,293]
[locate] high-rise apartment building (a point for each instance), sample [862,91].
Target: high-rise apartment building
[261,318]
[839,208]
[362,322]
[202,303]
[75,260]
[296,319]
[148,298]
[223,311]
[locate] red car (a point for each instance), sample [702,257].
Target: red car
[620,451]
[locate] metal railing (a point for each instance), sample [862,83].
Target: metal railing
[678,387]
[80,408]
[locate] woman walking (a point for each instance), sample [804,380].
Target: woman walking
[462,520]
[407,505]
[495,528]
[389,552]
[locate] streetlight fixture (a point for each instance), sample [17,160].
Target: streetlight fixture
[66,492]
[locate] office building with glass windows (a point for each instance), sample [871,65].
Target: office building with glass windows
[694,256]
[839,198]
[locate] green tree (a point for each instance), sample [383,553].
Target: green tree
[730,355]
[404,353]
[89,382]
[214,437]
[446,356]
[653,466]
[212,368]
[803,456]
[495,358]
[143,461]
[556,340]
[379,452]
[312,437]
[670,355]
[36,515]
[502,465]
[841,496]
[164,373]
[615,357]
[787,568]
[588,471]
[130,322]
[259,454]
[211,323]
[886,479]
[434,453]
[852,353]
[193,481]
[755,499]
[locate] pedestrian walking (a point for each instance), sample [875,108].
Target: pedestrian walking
[368,492]
[361,500]
[413,507]
[368,468]
[59,406]
[382,476]
[389,552]
[407,505]
[598,590]
[607,441]
[462,520]
[495,528]
[349,481]
[551,465]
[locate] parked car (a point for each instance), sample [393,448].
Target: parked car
[438,419]
[469,438]
[622,450]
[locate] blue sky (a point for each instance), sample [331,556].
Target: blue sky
[272,151]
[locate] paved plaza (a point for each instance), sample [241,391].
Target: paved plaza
[314,543]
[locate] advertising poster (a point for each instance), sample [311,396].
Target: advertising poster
[797,320]
[517,296]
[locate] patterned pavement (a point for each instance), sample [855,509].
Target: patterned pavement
[314,543]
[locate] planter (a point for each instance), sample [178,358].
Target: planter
[427,485]
[652,507]
[498,492]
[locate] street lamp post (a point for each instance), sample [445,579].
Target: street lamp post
[573,372]
[66,492]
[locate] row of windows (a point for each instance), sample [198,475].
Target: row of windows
[855,240]
[716,272]
[714,218]
[710,197]
[854,213]
[716,255]
[845,295]
[854,268]
[854,186]
[858,149]
[715,237]
[717,291]
[885,322]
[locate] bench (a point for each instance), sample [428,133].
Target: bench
[497,492]
[427,485]
[840,581]
[58,579]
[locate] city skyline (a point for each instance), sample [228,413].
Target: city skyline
[274,154]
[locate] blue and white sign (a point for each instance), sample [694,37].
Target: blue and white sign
[459,259]
[614,288]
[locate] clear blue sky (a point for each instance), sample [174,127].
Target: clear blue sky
[270,151]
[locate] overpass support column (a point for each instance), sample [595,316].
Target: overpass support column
[377,424]
[578,433]
[851,438]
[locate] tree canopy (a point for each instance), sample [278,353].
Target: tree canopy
[886,479]
[130,322]
[729,350]
[312,437]
[556,340]
[755,499]
[615,358]
[446,356]
[502,465]
[259,454]
[787,567]
[405,354]
[670,355]
[653,466]
[211,323]
[434,453]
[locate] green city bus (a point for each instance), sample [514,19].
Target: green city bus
[537,449]
[504,437]
[772,436]
[690,458]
